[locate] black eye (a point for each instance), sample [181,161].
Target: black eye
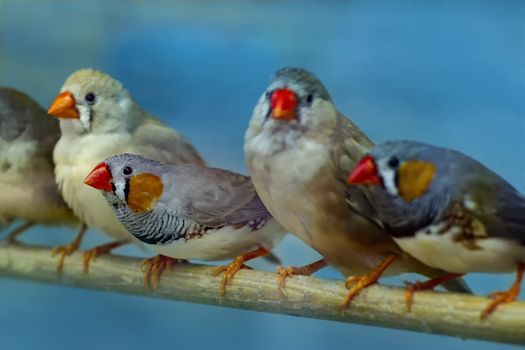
[393,162]
[309,98]
[90,97]
[127,170]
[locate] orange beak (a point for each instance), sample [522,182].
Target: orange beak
[365,173]
[64,106]
[283,103]
[100,178]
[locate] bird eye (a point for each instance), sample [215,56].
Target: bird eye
[127,170]
[90,98]
[393,162]
[309,98]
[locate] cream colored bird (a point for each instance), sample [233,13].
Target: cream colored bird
[98,119]
[27,182]
[299,150]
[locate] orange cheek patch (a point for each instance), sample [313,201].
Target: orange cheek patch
[144,192]
[414,178]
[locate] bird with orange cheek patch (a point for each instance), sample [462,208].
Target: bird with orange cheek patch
[187,212]
[98,118]
[447,210]
[299,149]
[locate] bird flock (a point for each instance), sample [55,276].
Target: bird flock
[96,159]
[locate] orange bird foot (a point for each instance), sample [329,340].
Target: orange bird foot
[237,264]
[92,254]
[505,296]
[154,267]
[290,271]
[411,288]
[357,283]
[67,250]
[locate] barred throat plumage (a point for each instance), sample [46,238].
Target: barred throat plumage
[157,227]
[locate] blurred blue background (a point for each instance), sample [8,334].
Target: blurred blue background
[448,73]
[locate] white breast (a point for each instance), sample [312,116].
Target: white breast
[443,252]
[74,161]
[283,178]
[224,243]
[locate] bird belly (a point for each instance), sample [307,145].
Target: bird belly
[444,251]
[223,243]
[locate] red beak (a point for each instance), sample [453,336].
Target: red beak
[283,103]
[365,173]
[100,178]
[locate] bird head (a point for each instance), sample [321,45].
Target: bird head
[93,102]
[130,180]
[397,168]
[295,103]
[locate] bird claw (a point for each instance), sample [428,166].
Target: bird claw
[154,267]
[356,284]
[230,271]
[499,298]
[290,271]
[284,274]
[63,252]
[92,254]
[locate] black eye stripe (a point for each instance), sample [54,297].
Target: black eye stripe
[126,190]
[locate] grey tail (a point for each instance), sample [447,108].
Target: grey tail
[457,285]
[273,259]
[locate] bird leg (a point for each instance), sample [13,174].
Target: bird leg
[154,267]
[505,296]
[357,283]
[430,284]
[92,254]
[12,237]
[238,263]
[290,271]
[67,250]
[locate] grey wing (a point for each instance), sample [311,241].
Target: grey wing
[222,197]
[508,220]
[350,145]
[24,120]
[163,143]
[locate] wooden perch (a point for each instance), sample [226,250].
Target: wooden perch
[432,312]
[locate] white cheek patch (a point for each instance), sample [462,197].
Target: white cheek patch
[389,177]
[119,190]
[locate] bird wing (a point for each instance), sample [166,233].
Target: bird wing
[156,140]
[351,145]
[215,197]
[504,214]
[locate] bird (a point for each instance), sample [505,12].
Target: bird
[99,118]
[299,150]
[447,210]
[27,180]
[188,211]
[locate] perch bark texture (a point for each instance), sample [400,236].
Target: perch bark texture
[432,312]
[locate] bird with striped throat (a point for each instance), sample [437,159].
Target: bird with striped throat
[167,209]
[447,210]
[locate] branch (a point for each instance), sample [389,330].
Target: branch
[432,312]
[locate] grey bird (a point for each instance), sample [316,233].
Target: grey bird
[299,150]
[187,211]
[27,182]
[99,118]
[447,210]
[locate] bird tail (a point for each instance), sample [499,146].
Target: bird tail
[273,259]
[457,285]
